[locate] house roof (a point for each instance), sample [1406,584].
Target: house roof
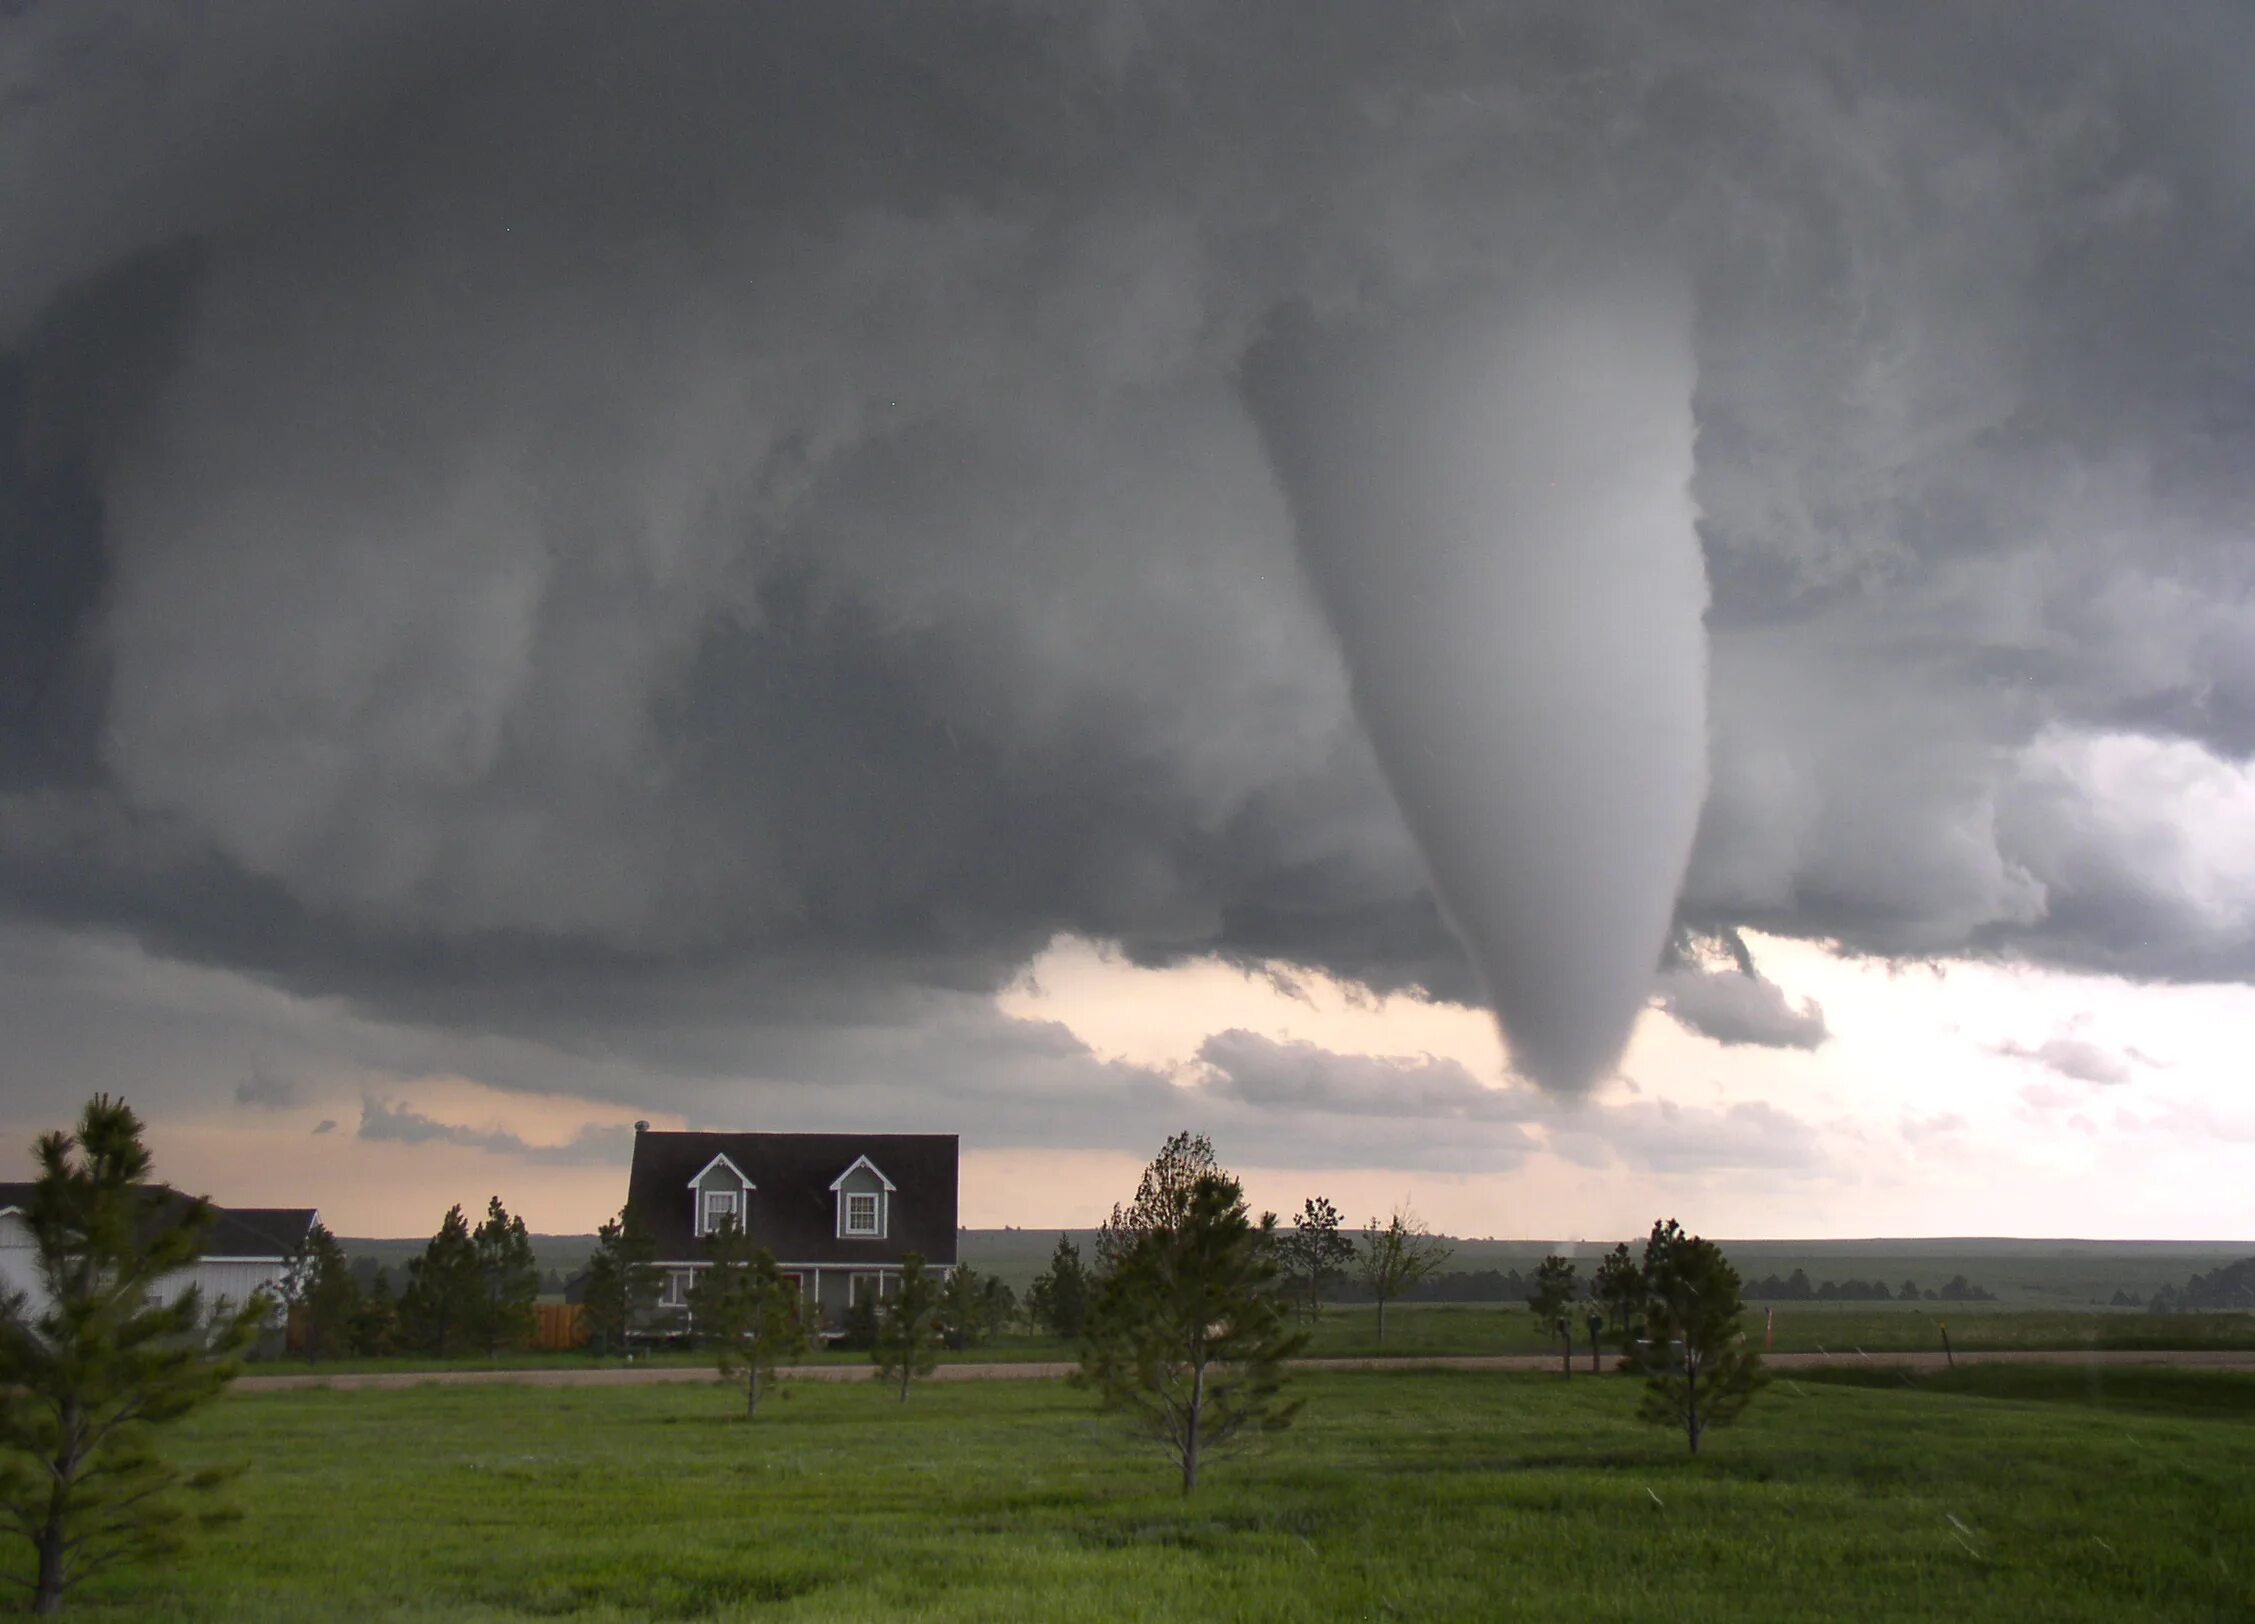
[245,1232]
[791,1208]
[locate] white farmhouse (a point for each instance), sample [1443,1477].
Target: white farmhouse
[248,1249]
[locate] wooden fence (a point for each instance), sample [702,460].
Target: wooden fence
[559,1327]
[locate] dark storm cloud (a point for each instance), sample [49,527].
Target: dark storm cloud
[551,529]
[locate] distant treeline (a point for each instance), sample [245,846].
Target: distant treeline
[1796,1288]
[2217,1291]
[1510,1286]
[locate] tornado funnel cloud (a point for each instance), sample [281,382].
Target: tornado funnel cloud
[1492,505]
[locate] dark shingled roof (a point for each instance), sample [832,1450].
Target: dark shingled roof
[250,1232]
[792,1210]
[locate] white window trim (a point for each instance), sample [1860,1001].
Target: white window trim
[883,1192]
[697,1194]
[874,1230]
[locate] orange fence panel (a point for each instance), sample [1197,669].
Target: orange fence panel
[559,1327]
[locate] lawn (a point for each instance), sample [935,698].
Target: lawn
[1401,1495]
[1448,1328]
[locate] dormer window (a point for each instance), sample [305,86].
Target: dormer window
[720,1208]
[718,1196]
[865,1202]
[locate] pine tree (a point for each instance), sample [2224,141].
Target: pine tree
[746,1311]
[441,1307]
[330,1299]
[620,1287]
[508,1280]
[1187,1335]
[87,1378]
[998,1307]
[1058,1298]
[908,1327]
[375,1324]
[1161,1197]
[963,1308]
[1618,1290]
[1552,1304]
[1700,1371]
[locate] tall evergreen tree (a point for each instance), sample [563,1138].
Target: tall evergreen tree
[508,1280]
[908,1327]
[1618,1290]
[746,1311]
[998,1307]
[964,1307]
[329,1300]
[1552,1304]
[375,1324]
[89,1376]
[1700,1371]
[1058,1298]
[620,1287]
[441,1306]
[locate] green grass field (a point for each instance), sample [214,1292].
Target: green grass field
[1447,1328]
[2004,1495]
[2023,1273]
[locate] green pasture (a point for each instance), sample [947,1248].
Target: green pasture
[1997,1495]
[1848,1328]
[2023,1273]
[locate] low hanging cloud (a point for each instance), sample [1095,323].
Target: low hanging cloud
[1293,1075]
[1663,1136]
[1739,1007]
[1453,1120]
[1710,983]
[387,1122]
[2078,1059]
[264,1091]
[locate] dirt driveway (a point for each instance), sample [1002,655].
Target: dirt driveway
[632,1376]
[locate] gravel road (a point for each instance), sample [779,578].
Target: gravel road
[631,1376]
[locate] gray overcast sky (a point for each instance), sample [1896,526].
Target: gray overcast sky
[665,559]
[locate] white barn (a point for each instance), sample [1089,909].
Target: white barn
[249,1248]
